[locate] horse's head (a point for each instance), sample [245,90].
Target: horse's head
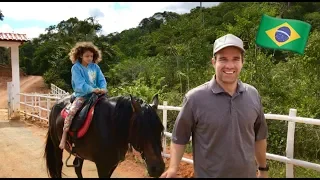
[146,133]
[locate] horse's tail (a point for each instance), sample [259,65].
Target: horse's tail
[53,154]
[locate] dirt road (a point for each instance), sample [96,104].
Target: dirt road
[27,84]
[21,155]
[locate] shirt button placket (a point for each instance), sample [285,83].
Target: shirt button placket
[231,106]
[232,109]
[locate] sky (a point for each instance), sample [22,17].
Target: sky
[32,18]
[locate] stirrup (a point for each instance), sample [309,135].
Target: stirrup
[72,151]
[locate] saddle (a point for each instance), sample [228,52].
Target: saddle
[82,119]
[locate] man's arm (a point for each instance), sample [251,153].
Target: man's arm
[260,152]
[261,135]
[181,134]
[176,153]
[180,137]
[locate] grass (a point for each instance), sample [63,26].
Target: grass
[278,170]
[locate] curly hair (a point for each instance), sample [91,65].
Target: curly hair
[80,48]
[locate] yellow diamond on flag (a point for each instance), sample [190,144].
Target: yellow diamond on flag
[283,34]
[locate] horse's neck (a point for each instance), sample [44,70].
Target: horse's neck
[121,130]
[121,122]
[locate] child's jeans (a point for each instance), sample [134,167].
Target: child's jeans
[76,105]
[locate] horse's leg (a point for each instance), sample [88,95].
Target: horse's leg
[79,168]
[105,169]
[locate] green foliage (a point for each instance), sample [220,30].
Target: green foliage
[52,77]
[278,170]
[1,16]
[138,88]
[170,54]
[4,55]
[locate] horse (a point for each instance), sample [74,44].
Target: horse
[116,122]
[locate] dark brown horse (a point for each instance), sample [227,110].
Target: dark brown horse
[116,122]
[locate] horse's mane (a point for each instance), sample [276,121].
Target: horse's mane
[148,127]
[144,126]
[121,118]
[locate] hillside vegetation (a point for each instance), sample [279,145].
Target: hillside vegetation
[170,53]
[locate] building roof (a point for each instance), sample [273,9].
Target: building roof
[13,37]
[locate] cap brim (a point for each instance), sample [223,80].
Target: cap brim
[228,45]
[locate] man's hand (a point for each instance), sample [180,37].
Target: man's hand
[170,173]
[262,174]
[176,152]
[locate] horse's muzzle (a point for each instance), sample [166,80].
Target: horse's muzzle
[156,170]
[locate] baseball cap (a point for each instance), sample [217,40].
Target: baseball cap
[226,41]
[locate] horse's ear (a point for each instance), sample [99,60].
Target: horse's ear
[155,102]
[135,106]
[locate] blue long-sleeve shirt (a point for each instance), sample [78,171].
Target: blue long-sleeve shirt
[85,79]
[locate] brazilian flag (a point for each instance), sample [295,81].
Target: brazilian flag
[283,34]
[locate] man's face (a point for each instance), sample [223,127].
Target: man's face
[87,57]
[228,64]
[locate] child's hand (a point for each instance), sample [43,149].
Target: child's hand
[103,91]
[97,91]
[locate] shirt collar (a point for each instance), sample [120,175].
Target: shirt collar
[216,88]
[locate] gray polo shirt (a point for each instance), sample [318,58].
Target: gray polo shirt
[223,128]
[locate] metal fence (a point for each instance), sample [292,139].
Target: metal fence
[55,90]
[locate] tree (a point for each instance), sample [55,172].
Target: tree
[1,15]
[4,53]
[170,53]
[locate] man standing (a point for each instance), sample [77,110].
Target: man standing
[226,120]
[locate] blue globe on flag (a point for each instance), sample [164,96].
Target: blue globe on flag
[282,34]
